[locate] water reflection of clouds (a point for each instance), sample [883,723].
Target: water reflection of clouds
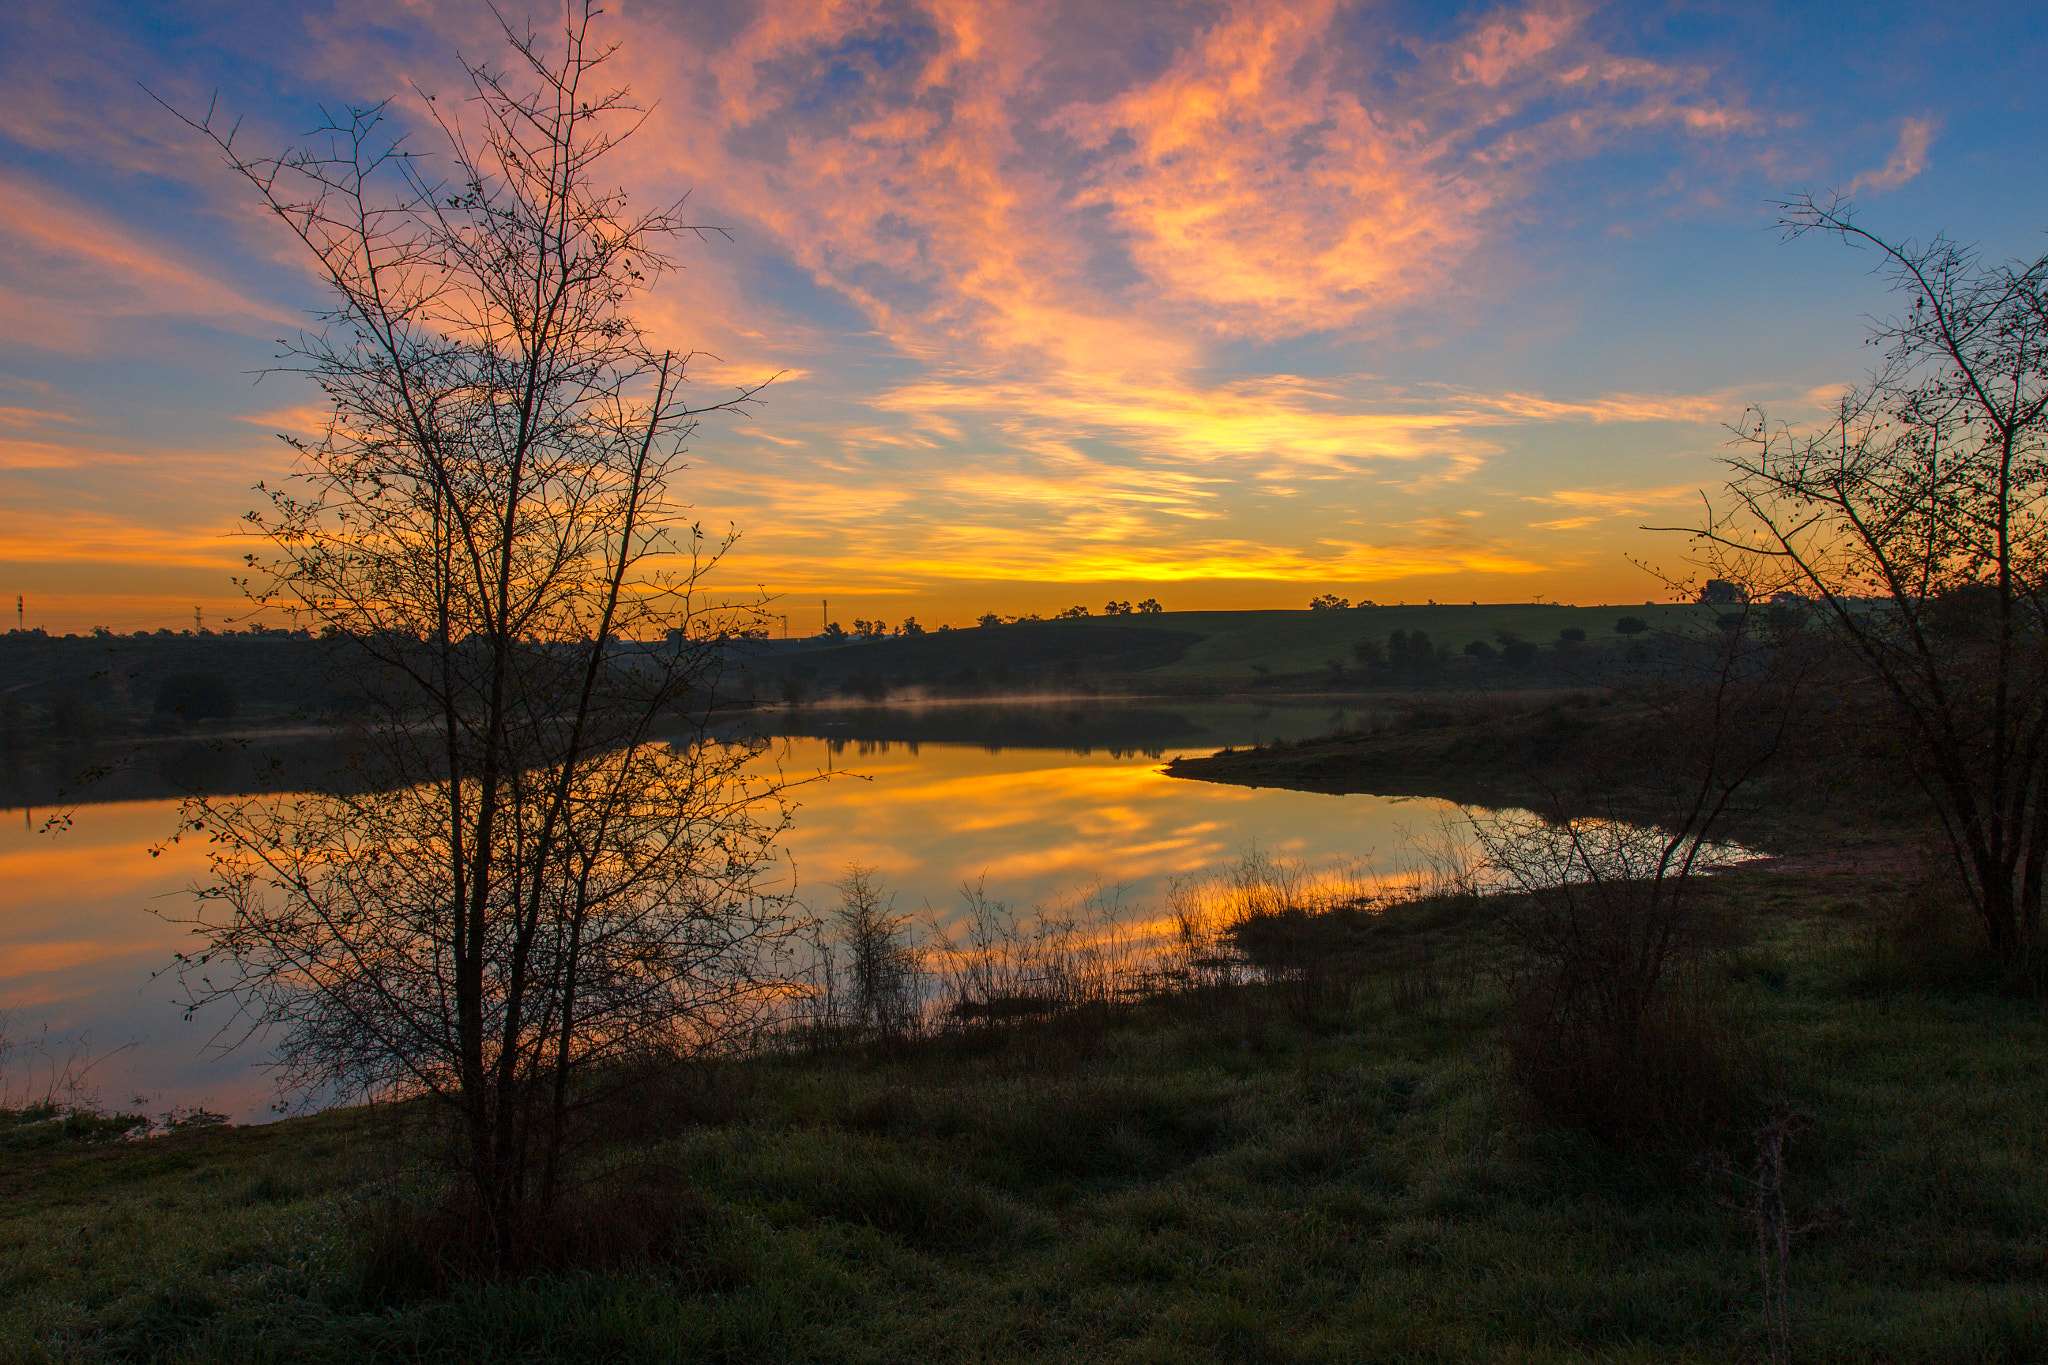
[78,946]
[1043,825]
[1033,826]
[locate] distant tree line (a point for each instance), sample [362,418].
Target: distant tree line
[1412,652]
[1148,607]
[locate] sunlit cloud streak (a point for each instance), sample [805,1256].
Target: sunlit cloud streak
[65,275]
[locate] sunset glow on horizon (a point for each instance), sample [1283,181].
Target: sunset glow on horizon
[1227,305]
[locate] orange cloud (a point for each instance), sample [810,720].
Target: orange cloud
[1512,42]
[1247,188]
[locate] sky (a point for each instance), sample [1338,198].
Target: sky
[1223,304]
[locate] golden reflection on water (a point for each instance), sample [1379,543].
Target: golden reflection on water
[78,946]
[78,943]
[1038,825]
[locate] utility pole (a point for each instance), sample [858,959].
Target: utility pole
[19,621]
[825,612]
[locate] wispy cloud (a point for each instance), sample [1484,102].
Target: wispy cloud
[65,272]
[33,417]
[1908,158]
[944,167]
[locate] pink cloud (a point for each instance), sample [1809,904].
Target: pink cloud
[1908,158]
[69,270]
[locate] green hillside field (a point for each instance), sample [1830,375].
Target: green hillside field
[1236,644]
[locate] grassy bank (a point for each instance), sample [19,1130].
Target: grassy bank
[1587,751]
[1251,1174]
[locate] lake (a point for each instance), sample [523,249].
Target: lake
[1038,803]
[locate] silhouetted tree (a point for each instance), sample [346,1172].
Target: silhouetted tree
[1410,652]
[529,896]
[1915,522]
[1516,652]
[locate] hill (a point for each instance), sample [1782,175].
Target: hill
[1170,651]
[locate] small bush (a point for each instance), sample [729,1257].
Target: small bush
[1516,652]
[1309,959]
[1616,1026]
[1683,1072]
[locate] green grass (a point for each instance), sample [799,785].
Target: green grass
[1201,1182]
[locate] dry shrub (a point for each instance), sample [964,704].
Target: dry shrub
[882,989]
[416,1243]
[1002,967]
[1684,1071]
[1616,1025]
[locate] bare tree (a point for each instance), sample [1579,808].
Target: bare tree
[1916,520]
[543,876]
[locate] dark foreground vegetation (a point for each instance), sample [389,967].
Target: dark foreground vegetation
[1332,1167]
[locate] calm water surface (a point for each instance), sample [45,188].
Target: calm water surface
[79,943]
